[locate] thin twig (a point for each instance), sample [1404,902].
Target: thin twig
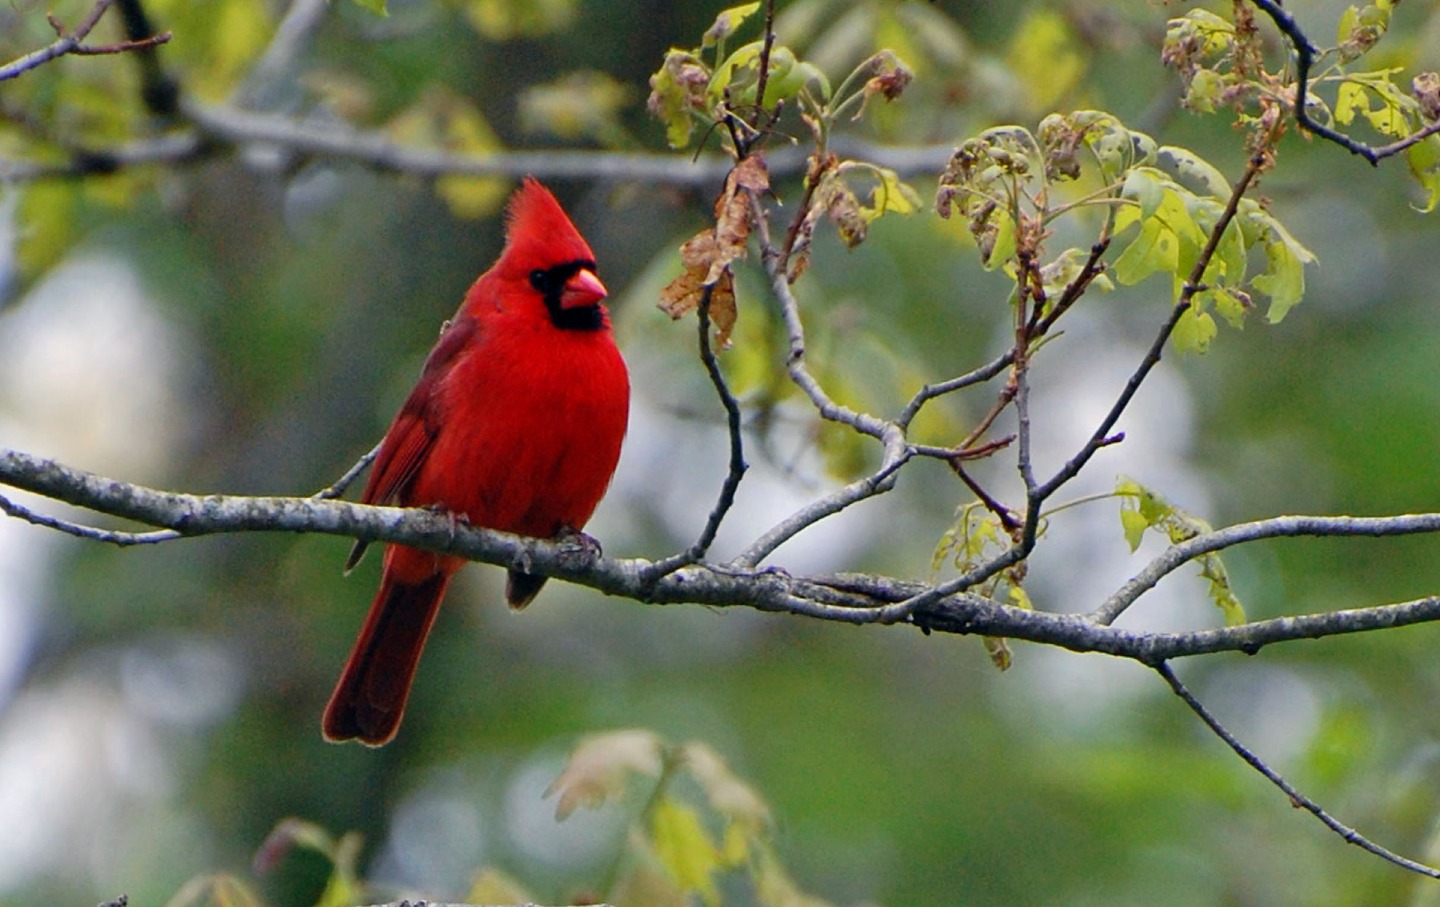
[878,482]
[737,466]
[1297,799]
[92,533]
[896,452]
[1305,54]
[795,359]
[766,46]
[940,388]
[336,490]
[1104,431]
[1092,269]
[1004,514]
[1180,554]
[74,43]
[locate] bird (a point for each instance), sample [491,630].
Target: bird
[515,424]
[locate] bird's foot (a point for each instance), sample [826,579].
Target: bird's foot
[576,548]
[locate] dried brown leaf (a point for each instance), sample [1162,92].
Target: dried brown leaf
[707,256]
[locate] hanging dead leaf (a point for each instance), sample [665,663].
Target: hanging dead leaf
[707,255]
[684,294]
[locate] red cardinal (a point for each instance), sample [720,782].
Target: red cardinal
[515,424]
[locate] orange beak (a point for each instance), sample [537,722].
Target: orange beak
[581,290]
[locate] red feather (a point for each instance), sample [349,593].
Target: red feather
[515,424]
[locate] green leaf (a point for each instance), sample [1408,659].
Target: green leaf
[47,213]
[503,20]
[1232,305]
[1195,170]
[1134,524]
[1221,594]
[1194,331]
[1230,258]
[1424,162]
[1141,509]
[1283,280]
[1206,89]
[1153,249]
[891,194]
[1143,186]
[1047,55]
[677,89]
[686,849]
[726,23]
[375,6]
[974,532]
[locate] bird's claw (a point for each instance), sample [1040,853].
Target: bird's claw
[576,548]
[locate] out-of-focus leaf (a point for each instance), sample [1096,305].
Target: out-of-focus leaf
[503,20]
[375,6]
[686,848]
[728,795]
[585,104]
[492,886]
[442,119]
[47,214]
[601,765]
[1046,54]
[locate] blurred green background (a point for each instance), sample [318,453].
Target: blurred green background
[240,327]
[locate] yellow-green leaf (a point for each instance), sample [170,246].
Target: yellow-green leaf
[1194,331]
[891,194]
[492,886]
[1153,249]
[727,22]
[502,20]
[1424,162]
[1283,280]
[686,849]
[1143,186]
[1047,55]
[1134,524]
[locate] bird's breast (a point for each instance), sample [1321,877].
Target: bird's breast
[530,431]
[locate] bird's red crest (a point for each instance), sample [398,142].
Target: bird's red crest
[538,233]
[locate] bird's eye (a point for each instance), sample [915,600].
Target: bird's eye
[537,279]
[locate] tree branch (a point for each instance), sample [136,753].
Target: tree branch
[74,43]
[1297,799]
[1182,553]
[737,467]
[1305,54]
[846,598]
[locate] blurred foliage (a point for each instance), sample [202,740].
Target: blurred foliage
[173,693]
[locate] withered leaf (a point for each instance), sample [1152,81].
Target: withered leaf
[683,294]
[707,255]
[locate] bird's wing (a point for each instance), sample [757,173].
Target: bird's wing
[415,428]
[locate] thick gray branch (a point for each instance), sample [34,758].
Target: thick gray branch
[220,128]
[848,598]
